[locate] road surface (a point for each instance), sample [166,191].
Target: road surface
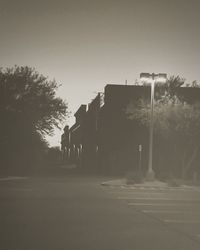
[77,213]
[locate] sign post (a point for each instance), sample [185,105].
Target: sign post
[140,157]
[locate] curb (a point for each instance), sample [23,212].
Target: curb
[147,186]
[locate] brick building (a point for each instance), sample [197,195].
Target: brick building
[103,139]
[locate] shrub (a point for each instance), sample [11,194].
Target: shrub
[134,177]
[174,183]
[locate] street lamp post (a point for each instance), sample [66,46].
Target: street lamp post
[152,78]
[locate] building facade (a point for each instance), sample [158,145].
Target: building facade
[103,139]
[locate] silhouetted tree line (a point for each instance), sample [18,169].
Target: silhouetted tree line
[29,110]
[176,127]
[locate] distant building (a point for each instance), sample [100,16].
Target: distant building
[103,139]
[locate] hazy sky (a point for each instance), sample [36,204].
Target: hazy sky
[87,44]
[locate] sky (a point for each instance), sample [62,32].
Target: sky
[86,44]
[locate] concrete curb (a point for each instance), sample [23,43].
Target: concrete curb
[146,185]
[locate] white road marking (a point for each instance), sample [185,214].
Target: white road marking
[19,189]
[161,199]
[183,221]
[169,211]
[153,204]
[138,193]
[11,178]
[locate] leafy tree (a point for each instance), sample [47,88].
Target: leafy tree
[176,125]
[29,110]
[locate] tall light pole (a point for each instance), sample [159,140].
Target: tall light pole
[152,78]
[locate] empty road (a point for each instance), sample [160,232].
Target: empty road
[77,213]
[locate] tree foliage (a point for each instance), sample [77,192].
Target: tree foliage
[29,109]
[176,123]
[25,92]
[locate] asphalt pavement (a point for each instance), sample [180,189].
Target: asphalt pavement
[77,213]
[177,208]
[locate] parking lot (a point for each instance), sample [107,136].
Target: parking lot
[77,212]
[177,208]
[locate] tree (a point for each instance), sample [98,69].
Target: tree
[176,125]
[29,110]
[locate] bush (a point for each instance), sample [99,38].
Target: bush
[174,183]
[134,177]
